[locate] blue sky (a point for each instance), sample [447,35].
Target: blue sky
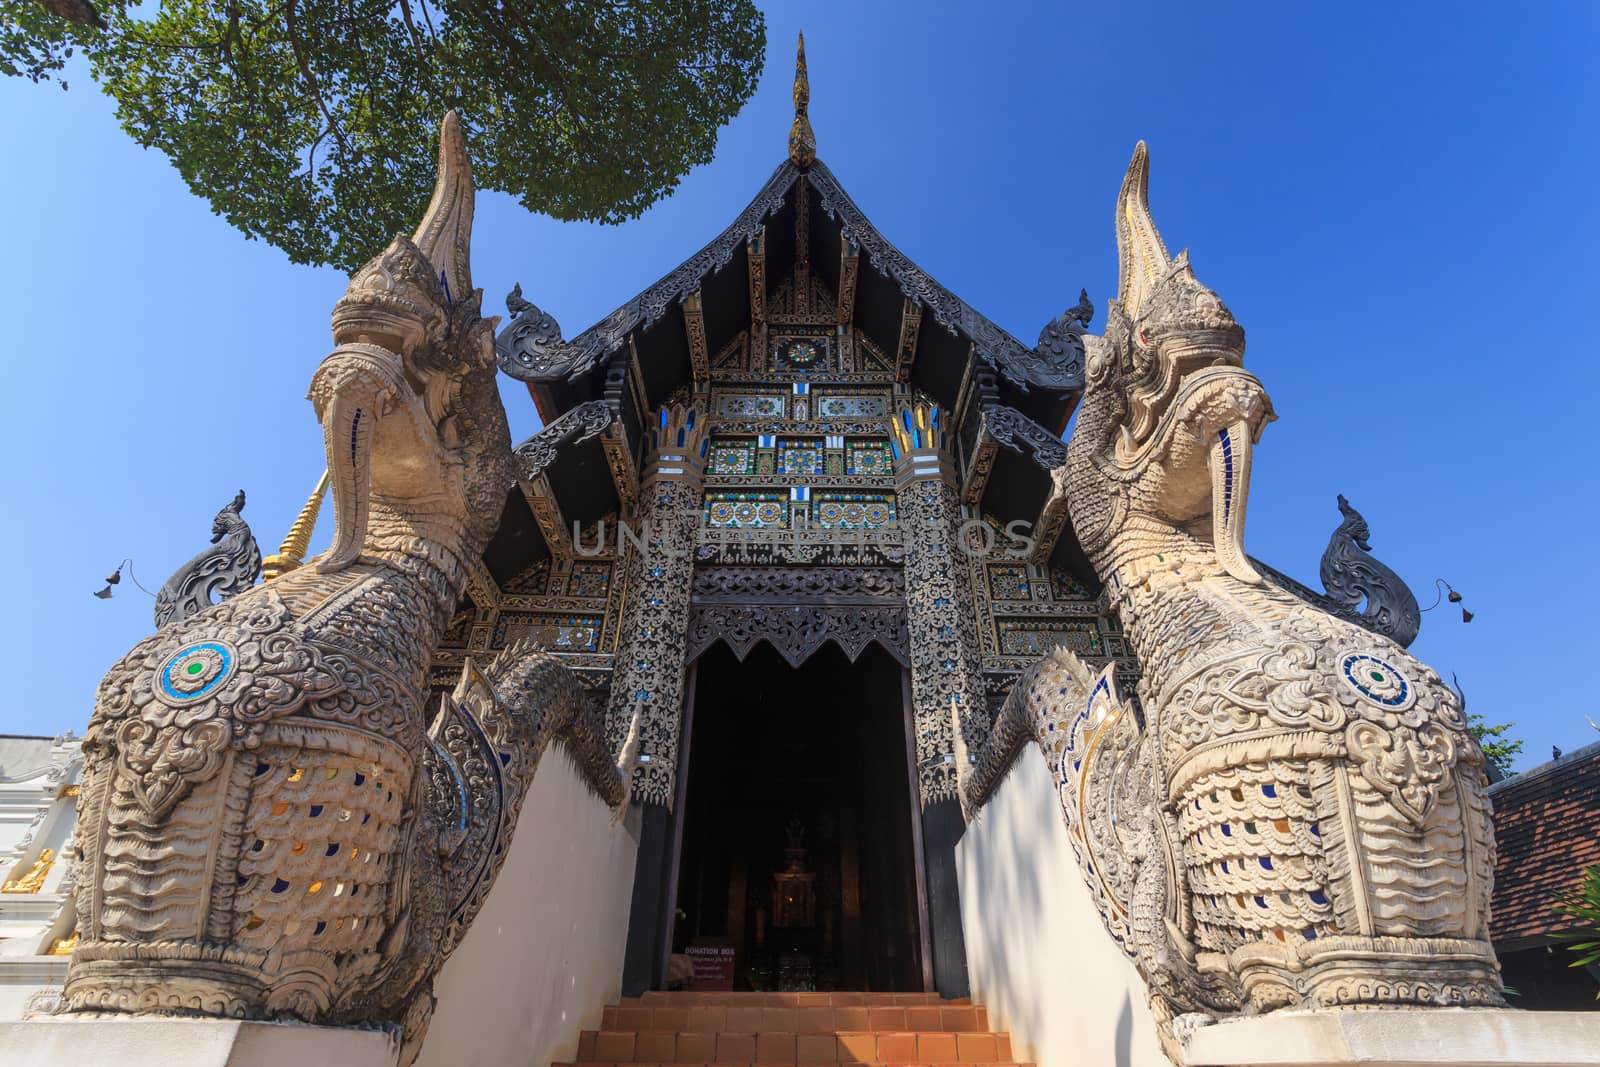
[1397,202]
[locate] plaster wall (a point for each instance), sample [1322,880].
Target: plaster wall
[544,956]
[1037,955]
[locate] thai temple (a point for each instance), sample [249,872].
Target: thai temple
[833,678]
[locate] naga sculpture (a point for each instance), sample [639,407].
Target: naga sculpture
[1300,818]
[225,570]
[269,826]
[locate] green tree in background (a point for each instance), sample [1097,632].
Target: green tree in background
[312,124]
[1498,749]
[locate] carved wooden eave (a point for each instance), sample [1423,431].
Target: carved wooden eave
[1003,427]
[725,288]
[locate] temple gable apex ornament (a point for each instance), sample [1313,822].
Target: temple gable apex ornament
[297,711]
[1248,829]
[802,141]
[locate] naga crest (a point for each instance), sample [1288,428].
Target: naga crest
[1166,398]
[411,418]
[224,571]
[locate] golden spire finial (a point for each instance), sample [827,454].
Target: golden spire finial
[292,552]
[802,142]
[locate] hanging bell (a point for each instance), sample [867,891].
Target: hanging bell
[114,577]
[1455,597]
[1466,616]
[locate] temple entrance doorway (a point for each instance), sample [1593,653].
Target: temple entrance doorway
[798,865]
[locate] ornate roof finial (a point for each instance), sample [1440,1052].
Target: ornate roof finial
[802,142]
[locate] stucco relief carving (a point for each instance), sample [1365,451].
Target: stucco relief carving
[1301,821]
[268,825]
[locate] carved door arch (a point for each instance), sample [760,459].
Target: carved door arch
[797,610]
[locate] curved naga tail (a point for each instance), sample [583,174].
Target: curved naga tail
[484,748]
[1103,764]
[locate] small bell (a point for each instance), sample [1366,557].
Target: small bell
[114,577]
[1455,597]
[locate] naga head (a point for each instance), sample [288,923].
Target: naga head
[229,520]
[411,418]
[1169,413]
[1354,525]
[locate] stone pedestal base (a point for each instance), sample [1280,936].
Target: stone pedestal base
[170,1042]
[1460,1037]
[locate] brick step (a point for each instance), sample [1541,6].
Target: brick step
[788,1000]
[745,1017]
[788,1048]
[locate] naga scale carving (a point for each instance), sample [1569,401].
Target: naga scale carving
[1301,818]
[269,826]
[225,570]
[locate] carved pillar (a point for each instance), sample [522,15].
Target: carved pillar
[659,551]
[946,663]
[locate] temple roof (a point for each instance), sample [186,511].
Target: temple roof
[801,255]
[1042,380]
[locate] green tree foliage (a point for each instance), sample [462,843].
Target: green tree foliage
[1583,910]
[311,123]
[1498,749]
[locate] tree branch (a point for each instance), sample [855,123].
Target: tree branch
[305,72]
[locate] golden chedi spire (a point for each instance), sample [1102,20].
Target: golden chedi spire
[802,142]
[292,552]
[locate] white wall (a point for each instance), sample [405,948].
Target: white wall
[544,956]
[1037,954]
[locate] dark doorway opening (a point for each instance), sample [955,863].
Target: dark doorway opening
[799,851]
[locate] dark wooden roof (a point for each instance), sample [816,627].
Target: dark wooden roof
[1547,828]
[1042,381]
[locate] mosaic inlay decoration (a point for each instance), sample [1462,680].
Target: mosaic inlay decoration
[1009,582]
[800,457]
[1377,680]
[1034,637]
[589,580]
[1066,586]
[555,633]
[747,510]
[732,457]
[853,407]
[854,511]
[751,407]
[194,670]
[801,352]
[868,457]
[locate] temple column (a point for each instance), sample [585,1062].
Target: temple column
[647,681]
[946,664]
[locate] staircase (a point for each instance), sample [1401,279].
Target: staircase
[793,1030]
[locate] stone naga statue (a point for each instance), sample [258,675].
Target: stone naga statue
[269,826]
[1300,820]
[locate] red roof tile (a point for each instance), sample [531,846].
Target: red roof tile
[1547,828]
